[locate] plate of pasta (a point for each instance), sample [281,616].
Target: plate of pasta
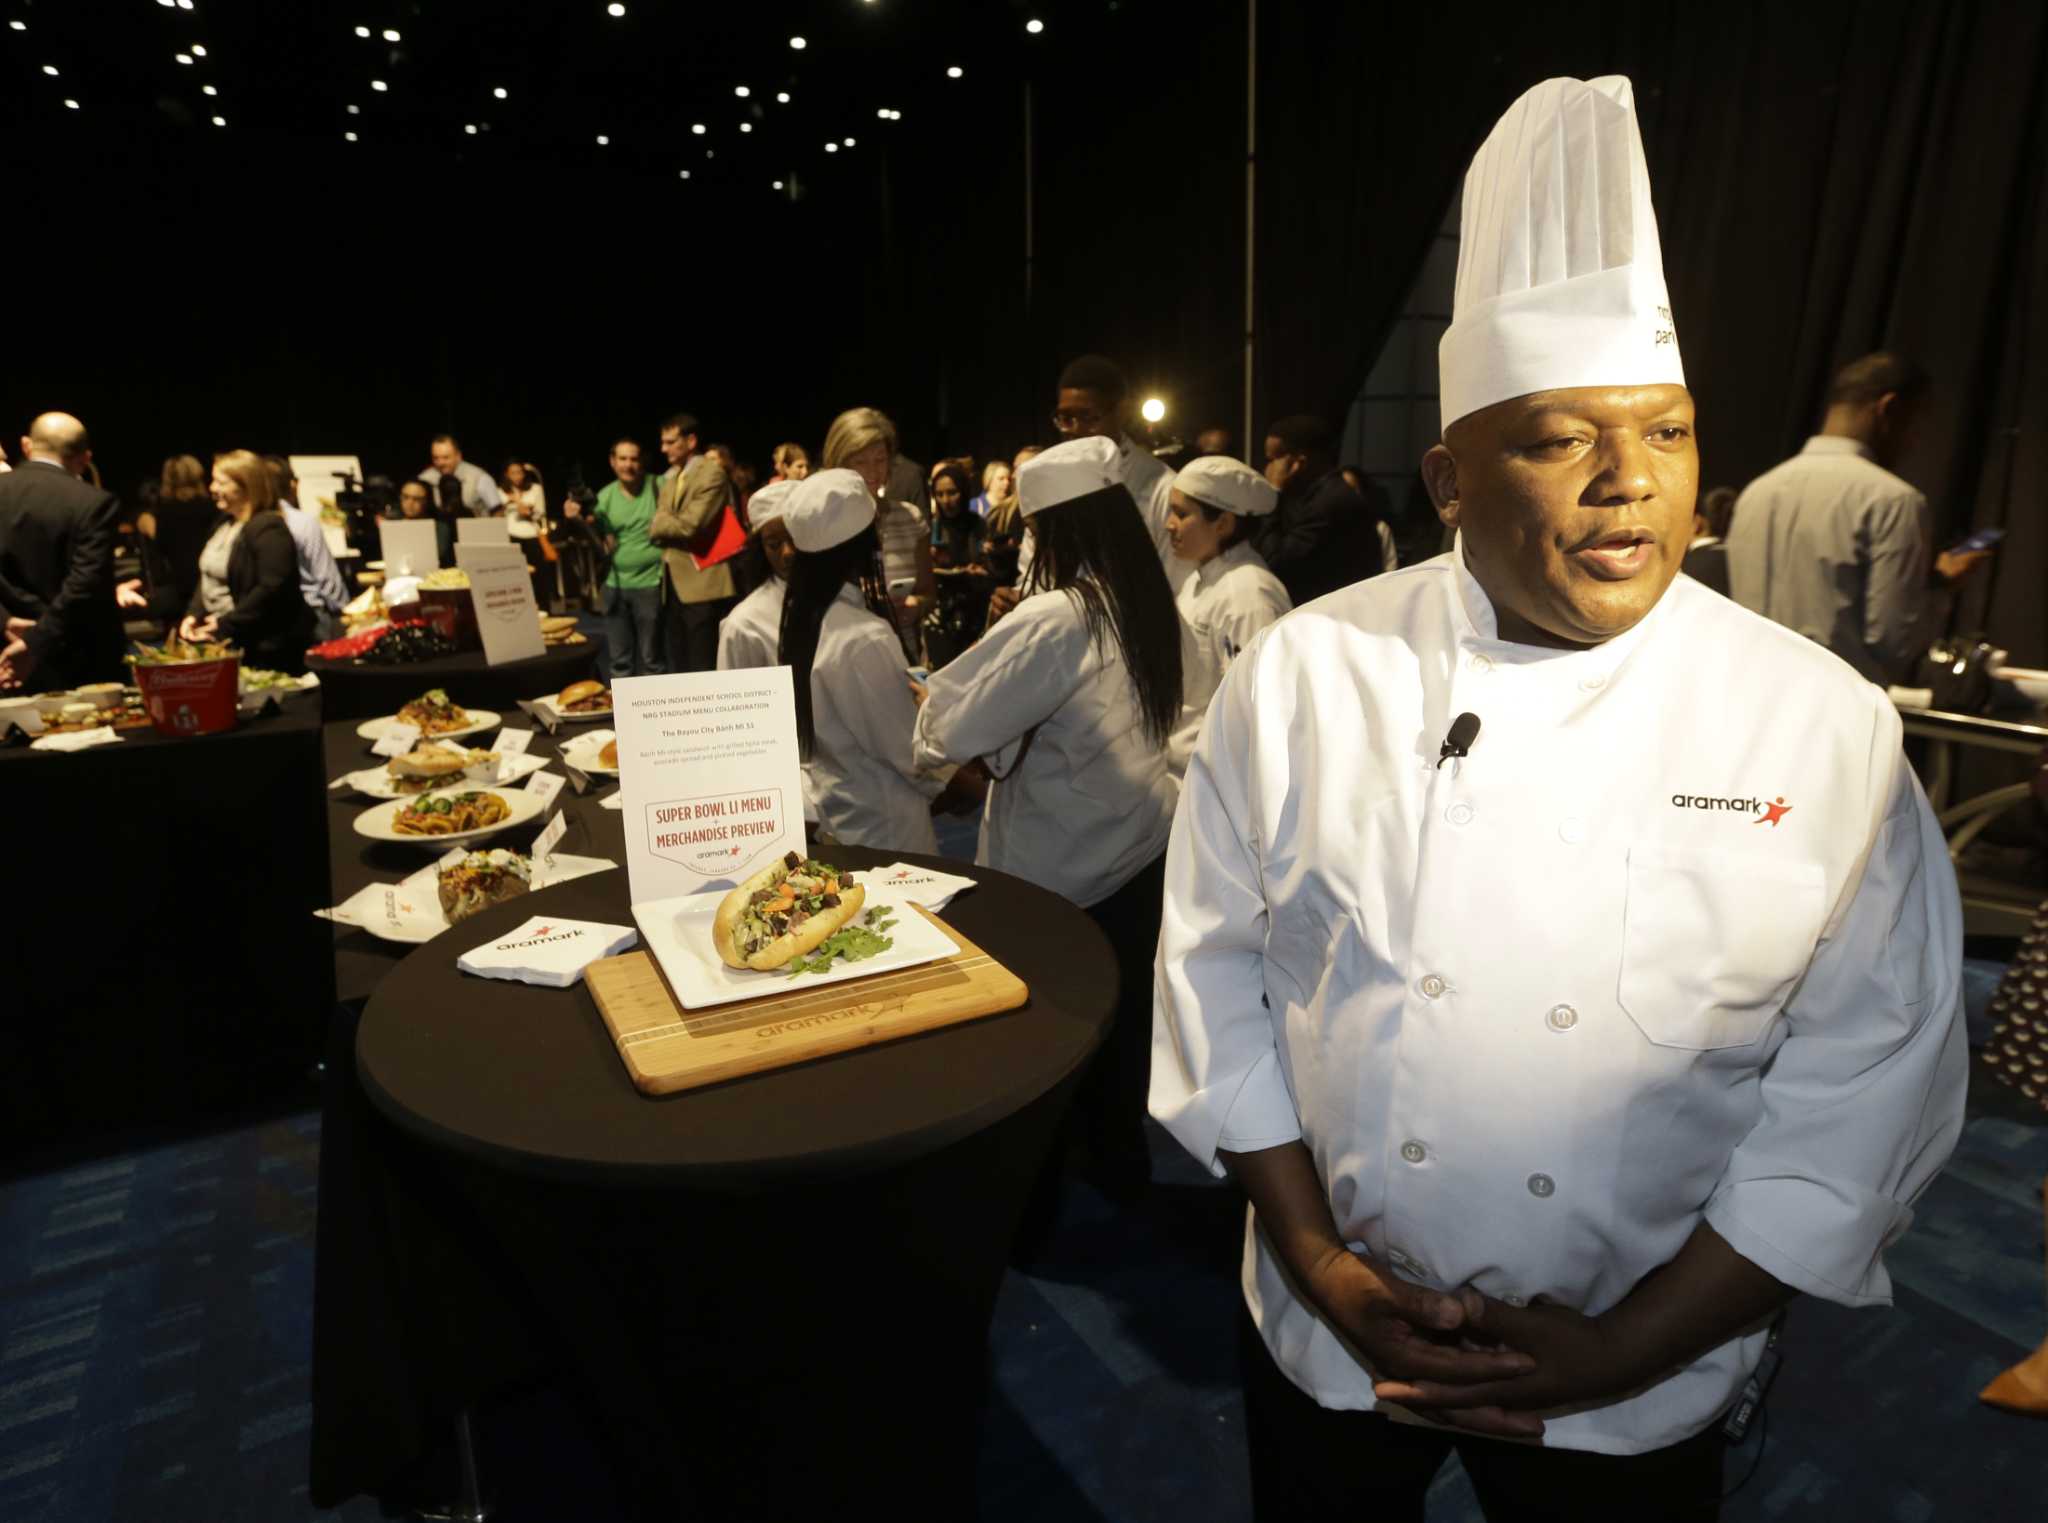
[451,816]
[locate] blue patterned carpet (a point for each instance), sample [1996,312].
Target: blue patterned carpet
[155,1309]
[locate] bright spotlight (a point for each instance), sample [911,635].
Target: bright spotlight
[499,92]
[378,84]
[350,136]
[798,43]
[391,34]
[70,105]
[1153,410]
[470,128]
[831,147]
[782,97]
[198,51]
[50,69]
[741,91]
[615,9]
[778,185]
[17,26]
[697,128]
[220,121]
[185,58]
[362,31]
[746,126]
[1034,26]
[955,72]
[209,90]
[603,141]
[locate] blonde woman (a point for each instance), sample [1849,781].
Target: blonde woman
[792,463]
[863,440]
[995,486]
[248,593]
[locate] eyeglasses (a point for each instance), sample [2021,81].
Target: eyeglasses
[1067,422]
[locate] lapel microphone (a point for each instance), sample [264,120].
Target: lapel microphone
[1464,730]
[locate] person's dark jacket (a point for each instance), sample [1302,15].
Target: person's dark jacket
[57,567]
[1322,537]
[270,621]
[183,526]
[1708,565]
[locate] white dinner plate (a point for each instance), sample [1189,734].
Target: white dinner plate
[375,822]
[408,912]
[582,752]
[479,720]
[678,933]
[378,783]
[567,716]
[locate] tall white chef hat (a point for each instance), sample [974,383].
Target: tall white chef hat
[768,502]
[1231,486]
[1076,468]
[828,508]
[1560,277]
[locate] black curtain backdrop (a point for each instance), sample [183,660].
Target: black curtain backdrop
[1830,178]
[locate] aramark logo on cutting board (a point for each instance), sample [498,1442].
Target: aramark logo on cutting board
[720,836]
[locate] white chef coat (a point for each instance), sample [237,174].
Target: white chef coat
[1091,802]
[861,779]
[1229,599]
[751,635]
[1151,487]
[1678,941]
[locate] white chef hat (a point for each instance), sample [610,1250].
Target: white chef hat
[1075,468]
[828,508]
[1560,277]
[768,502]
[1231,486]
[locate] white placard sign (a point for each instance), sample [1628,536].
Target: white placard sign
[546,784]
[501,588]
[320,478]
[482,531]
[709,772]
[410,546]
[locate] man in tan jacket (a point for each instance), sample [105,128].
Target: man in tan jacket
[694,492]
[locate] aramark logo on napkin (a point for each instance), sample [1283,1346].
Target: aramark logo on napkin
[548,951]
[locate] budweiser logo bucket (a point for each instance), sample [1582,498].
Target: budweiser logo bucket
[191,697]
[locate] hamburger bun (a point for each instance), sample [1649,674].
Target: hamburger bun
[429,763]
[556,624]
[609,756]
[584,696]
[762,948]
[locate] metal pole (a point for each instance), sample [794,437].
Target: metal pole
[1030,239]
[1251,211]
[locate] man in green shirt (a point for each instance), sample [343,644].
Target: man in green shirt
[632,589]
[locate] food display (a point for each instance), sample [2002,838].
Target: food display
[367,608]
[445,579]
[785,913]
[448,814]
[434,713]
[584,698]
[256,680]
[558,629]
[609,756]
[432,764]
[350,647]
[404,644]
[176,653]
[480,880]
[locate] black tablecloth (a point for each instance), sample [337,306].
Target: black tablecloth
[369,692]
[772,1296]
[159,925]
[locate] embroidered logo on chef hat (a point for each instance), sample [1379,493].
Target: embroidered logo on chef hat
[828,508]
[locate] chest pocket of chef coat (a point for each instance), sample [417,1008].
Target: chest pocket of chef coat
[1713,942]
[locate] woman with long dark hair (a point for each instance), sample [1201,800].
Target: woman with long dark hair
[854,712]
[1069,700]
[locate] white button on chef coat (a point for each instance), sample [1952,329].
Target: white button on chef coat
[866,788]
[751,635]
[1090,802]
[1314,885]
[1224,605]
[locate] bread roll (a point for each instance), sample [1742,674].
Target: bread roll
[762,942]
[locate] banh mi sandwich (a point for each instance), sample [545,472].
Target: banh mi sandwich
[609,756]
[584,698]
[784,912]
[434,713]
[482,879]
[427,766]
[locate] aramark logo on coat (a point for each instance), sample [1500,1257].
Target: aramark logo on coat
[1765,814]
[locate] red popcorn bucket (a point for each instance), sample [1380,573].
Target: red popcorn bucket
[191,697]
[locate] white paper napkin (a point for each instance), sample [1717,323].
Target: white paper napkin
[76,740]
[548,951]
[921,885]
[410,909]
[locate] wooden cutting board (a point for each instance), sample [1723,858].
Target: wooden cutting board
[667,1048]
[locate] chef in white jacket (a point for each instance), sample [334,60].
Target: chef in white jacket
[1070,701]
[1231,596]
[854,712]
[1555,1055]
[750,634]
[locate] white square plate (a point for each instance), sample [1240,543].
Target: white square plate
[678,933]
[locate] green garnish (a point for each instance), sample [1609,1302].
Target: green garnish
[855,943]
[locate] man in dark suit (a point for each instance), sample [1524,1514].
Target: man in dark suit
[57,564]
[1706,558]
[1325,535]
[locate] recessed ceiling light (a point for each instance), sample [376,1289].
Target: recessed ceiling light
[499,92]
[798,43]
[362,31]
[355,110]
[378,84]
[782,96]
[615,9]
[50,69]
[22,26]
[71,105]
[831,147]
[778,185]
[741,91]
[391,34]
[710,153]
[184,58]
[184,5]
[849,142]
[470,128]
[683,173]
[350,136]
[209,90]
[697,128]
[198,51]
[883,113]
[1034,26]
[955,72]
[746,126]
[220,121]
[603,141]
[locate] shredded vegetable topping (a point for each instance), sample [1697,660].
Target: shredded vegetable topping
[855,943]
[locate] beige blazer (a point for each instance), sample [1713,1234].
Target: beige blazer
[686,505]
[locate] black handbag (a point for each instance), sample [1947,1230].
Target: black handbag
[1957,668]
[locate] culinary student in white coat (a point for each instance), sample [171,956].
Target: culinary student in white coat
[1231,596]
[1555,1068]
[751,633]
[1070,700]
[854,712]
